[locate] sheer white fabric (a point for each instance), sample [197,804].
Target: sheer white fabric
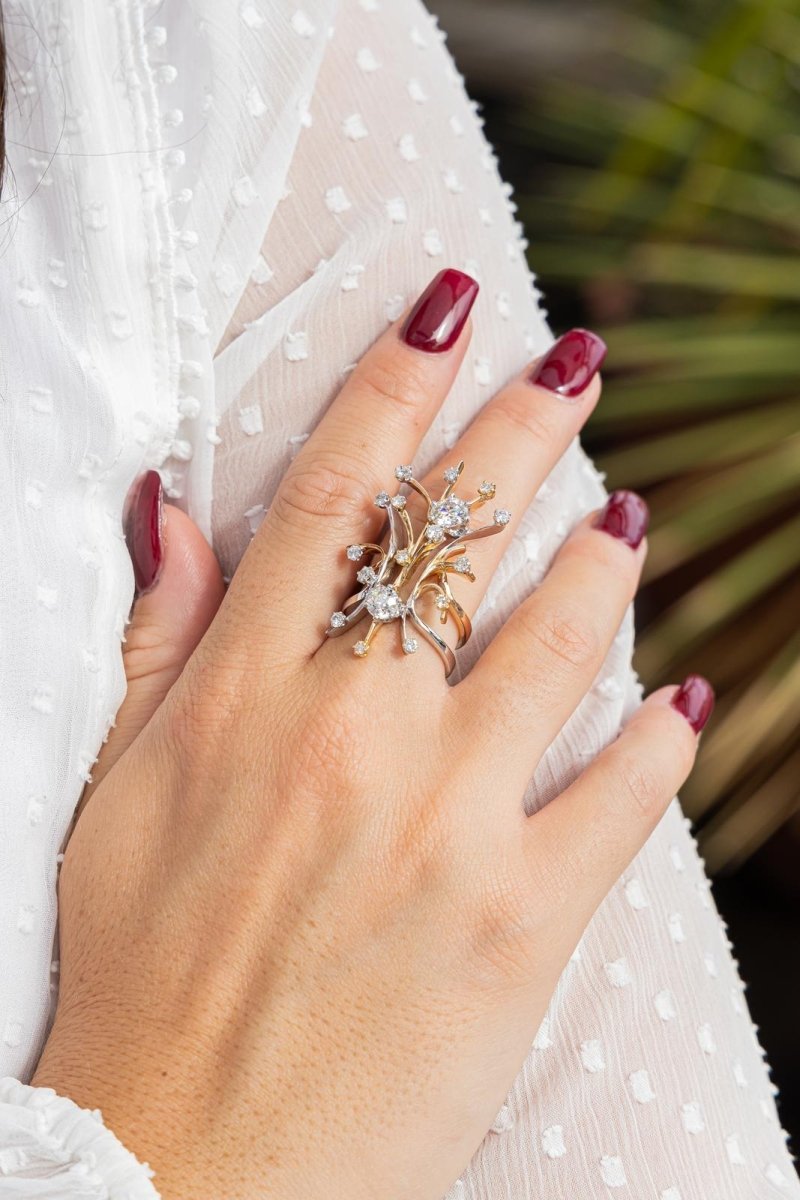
[214,208]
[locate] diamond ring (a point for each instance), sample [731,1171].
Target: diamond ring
[417,564]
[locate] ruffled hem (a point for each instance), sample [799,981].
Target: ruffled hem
[54,1150]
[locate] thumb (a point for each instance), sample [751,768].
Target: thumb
[179,588]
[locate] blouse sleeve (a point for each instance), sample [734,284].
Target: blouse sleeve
[50,1149]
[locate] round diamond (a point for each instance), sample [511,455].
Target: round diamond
[501,516]
[463,565]
[398,501]
[366,575]
[487,489]
[442,602]
[452,514]
[384,603]
[338,620]
[410,646]
[383,500]
[434,533]
[360,649]
[355,552]
[451,475]
[402,557]
[403,473]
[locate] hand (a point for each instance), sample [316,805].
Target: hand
[307,931]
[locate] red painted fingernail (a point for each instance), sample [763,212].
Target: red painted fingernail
[440,314]
[143,531]
[694,700]
[625,516]
[570,364]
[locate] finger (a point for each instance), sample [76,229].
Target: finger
[515,442]
[547,655]
[180,589]
[516,439]
[584,840]
[327,498]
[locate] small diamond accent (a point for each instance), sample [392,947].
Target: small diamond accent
[463,565]
[398,501]
[410,646]
[403,473]
[355,552]
[451,475]
[338,620]
[434,533]
[487,490]
[383,500]
[502,516]
[384,602]
[360,649]
[366,575]
[442,602]
[402,557]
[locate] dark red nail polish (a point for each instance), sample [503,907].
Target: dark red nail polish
[143,531]
[570,364]
[625,516]
[440,314]
[694,700]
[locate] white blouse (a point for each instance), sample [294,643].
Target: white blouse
[212,208]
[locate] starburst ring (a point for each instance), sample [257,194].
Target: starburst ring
[393,579]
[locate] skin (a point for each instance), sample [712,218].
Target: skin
[307,931]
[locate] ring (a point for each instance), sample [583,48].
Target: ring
[415,564]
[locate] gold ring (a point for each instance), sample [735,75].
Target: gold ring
[416,564]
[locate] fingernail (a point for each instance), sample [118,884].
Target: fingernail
[437,319]
[694,700]
[143,531]
[570,364]
[625,516]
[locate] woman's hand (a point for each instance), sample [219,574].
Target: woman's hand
[307,931]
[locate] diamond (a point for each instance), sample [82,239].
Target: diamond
[410,646]
[338,620]
[462,565]
[442,602]
[366,575]
[402,557]
[360,649]
[434,533]
[398,501]
[355,552]
[383,500]
[501,516]
[403,473]
[452,514]
[451,475]
[487,490]
[384,602]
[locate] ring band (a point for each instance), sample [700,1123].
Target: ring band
[417,564]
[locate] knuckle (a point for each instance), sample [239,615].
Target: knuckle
[568,638]
[518,417]
[147,650]
[322,751]
[399,383]
[322,490]
[640,784]
[205,709]
[505,927]
[418,849]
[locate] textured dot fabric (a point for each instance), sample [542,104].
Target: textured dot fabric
[212,209]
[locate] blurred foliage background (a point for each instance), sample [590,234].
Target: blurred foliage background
[654,148]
